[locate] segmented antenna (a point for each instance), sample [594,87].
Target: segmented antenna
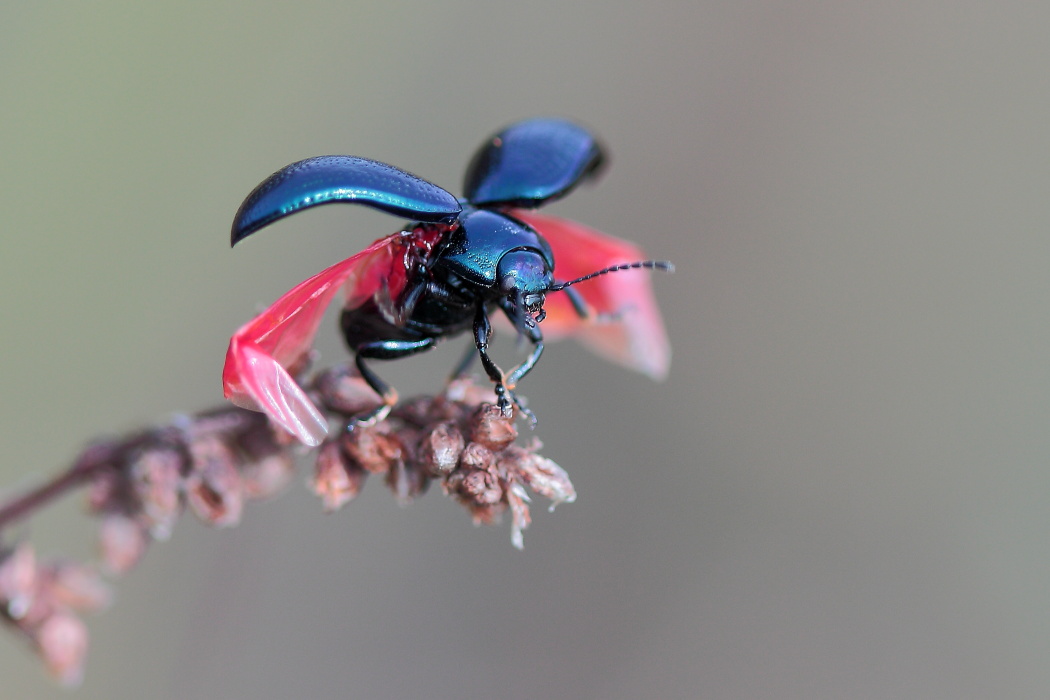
[646,264]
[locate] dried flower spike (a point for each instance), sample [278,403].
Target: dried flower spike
[212,462]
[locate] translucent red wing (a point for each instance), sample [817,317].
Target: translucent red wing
[256,372]
[635,335]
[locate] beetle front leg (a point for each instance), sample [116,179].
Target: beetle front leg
[482,333]
[525,367]
[511,380]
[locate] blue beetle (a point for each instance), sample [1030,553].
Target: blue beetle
[448,271]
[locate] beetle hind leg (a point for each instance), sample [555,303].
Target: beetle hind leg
[384,350]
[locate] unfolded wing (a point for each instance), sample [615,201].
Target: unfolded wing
[256,375]
[628,328]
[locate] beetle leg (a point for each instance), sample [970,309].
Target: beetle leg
[512,379]
[463,366]
[384,350]
[482,333]
[505,382]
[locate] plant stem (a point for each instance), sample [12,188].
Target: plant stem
[22,506]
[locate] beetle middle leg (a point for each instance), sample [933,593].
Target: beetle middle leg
[463,366]
[384,350]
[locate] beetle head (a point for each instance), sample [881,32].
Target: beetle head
[524,277]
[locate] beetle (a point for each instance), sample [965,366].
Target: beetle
[448,271]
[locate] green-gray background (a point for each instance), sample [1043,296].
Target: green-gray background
[842,491]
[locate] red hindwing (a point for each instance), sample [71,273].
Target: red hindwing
[632,332]
[262,351]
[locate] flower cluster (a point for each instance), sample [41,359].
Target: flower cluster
[42,601]
[211,463]
[460,439]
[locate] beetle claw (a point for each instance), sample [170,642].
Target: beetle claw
[370,418]
[508,401]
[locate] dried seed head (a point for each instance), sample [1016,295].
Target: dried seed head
[77,587]
[375,448]
[156,479]
[345,392]
[266,477]
[477,487]
[122,541]
[406,481]
[104,491]
[476,457]
[212,461]
[268,466]
[466,391]
[486,515]
[520,519]
[213,488]
[18,580]
[257,440]
[62,642]
[540,474]
[440,449]
[337,480]
[491,428]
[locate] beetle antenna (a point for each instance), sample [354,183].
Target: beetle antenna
[646,264]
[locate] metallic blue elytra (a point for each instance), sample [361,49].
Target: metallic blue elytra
[329,179]
[532,162]
[483,238]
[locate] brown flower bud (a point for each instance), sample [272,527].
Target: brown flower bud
[440,449]
[156,479]
[267,476]
[337,480]
[78,587]
[375,448]
[491,428]
[486,514]
[476,456]
[18,580]
[345,392]
[406,481]
[62,642]
[540,474]
[465,391]
[107,491]
[520,519]
[213,488]
[477,486]
[122,541]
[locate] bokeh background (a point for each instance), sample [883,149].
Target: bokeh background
[843,490]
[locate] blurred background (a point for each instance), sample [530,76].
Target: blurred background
[843,490]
